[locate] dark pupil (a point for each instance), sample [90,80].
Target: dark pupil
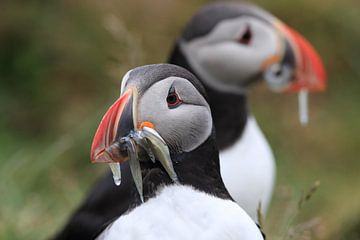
[246,37]
[171,99]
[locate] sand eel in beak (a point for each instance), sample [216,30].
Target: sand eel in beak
[162,126]
[112,148]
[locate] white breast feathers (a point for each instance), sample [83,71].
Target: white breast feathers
[181,212]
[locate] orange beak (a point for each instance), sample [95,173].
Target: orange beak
[117,121]
[309,72]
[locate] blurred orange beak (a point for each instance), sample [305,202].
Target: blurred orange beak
[117,121]
[309,73]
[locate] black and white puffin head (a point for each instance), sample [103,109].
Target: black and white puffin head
[231,45]
[161,115]
[173,101]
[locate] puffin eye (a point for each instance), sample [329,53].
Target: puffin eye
[246,36]
[173,100]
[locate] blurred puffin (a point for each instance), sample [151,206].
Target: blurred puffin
[228,46]
[162,126]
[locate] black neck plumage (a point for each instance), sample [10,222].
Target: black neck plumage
[229,111]
[200,168]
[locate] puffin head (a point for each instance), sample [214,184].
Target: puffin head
[232,45]
[161,114]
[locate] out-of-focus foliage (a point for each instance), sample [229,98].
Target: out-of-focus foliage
[52,58]
[351,230]
[61,63]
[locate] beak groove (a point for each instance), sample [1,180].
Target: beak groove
[302,67]
[102,149]
[310,73]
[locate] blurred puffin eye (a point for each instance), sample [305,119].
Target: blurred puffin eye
[173,100]
[246,36]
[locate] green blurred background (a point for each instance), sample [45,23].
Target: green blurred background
[61,63]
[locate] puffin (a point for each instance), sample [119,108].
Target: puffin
[162,126]
[229,47]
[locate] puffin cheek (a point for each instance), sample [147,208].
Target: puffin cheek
[194,129]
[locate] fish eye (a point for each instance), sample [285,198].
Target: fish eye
[278,75]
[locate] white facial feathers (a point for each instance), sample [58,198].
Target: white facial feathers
[222,61]
[184,127]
